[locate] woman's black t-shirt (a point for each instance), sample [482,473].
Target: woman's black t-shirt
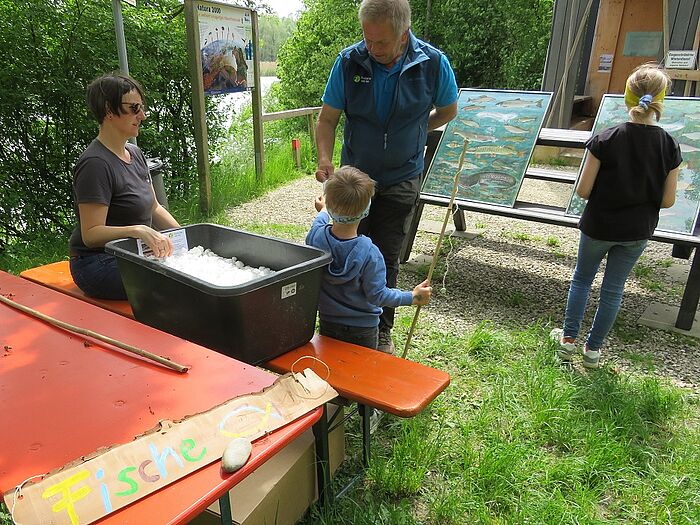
[101,177]
[626,197]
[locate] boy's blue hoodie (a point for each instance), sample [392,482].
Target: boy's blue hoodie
[354,285]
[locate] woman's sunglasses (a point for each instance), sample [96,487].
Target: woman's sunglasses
[135,107]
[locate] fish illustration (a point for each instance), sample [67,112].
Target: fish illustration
[692,136]
[469,166]
[520,103]
[500,165]
[472,107]
[483,99]
[515,129]
[693,116]
[497,180]
[515,138]
[495,151]
[503,117]
[524,120]
[476,137]
[687,148]
[469,180]
[468,123]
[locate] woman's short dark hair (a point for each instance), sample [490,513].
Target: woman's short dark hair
[104,94]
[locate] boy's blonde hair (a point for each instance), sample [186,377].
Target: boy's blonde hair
[646,79]
[348,192]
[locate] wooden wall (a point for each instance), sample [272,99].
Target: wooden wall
[608,24]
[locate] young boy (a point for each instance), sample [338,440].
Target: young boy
[354,287]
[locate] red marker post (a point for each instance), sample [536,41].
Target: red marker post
[296,152]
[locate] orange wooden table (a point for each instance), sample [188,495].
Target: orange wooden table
[61,399]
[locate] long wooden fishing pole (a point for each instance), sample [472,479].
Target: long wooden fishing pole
[89,333]
[455,185]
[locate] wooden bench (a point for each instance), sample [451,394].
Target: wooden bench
[57,277]
[367,377]
[554,214]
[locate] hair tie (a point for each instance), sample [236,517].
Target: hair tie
[344,219]
[645,101]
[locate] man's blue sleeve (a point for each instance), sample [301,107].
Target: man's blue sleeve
[446,92]
[334,94]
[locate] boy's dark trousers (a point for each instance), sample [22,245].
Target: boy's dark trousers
[357,335]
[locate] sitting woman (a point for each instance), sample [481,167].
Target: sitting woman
[112,190]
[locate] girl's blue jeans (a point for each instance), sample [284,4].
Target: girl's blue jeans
[98,276]
[622,255]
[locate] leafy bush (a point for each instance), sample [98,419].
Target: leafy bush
[500,45]
[50,51]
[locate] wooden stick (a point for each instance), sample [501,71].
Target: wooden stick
[89,333]
[455,185]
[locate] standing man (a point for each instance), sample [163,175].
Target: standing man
[393,89]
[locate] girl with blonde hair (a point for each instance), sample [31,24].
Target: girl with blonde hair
[630,172]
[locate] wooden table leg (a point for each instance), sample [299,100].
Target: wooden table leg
[225,510]
[365,413]
[323,467]
[691,295]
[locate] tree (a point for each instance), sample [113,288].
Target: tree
[50,51]
[274,31]
[490,44]
[326,27]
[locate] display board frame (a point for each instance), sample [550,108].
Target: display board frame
[502,127]
[680,118]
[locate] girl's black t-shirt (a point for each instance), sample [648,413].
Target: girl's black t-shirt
[626,197]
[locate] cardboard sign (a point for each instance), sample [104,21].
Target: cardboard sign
[90,488]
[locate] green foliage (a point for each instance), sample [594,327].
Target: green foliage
[306,58]
[50,51]
[274,31]
[490,44]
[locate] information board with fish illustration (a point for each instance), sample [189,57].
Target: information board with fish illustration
[680,118]
[502,128]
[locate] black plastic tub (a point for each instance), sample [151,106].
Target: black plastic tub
[253,322]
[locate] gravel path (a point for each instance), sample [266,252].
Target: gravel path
[515,273]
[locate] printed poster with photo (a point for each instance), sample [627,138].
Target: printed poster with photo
[502,128]
[681,119]
[225,37]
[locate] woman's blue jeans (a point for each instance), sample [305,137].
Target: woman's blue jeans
[98,276]
[622,255]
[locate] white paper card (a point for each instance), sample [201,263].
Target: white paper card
[177,237]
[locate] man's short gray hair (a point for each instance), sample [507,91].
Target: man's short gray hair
[396,12]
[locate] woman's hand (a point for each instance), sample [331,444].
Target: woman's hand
[161,245]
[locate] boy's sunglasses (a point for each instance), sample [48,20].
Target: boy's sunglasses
[135,107]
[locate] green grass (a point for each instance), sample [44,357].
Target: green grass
[520,236]
[268,69]
[517,439]
[553,242]
[19,255]
[646,271]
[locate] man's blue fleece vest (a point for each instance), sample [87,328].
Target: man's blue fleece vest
[393,152]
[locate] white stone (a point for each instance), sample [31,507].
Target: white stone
[236,454]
